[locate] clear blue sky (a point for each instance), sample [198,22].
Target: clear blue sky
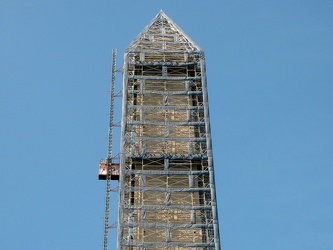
[270,82]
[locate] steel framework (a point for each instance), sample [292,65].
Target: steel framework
[107,164]
[166,187]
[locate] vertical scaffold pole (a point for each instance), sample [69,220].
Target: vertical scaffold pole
[109,158]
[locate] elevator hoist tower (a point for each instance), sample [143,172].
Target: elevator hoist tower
[167,197]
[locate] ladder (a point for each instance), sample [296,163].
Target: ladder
[109,156]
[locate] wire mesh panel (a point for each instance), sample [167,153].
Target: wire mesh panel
[166,188]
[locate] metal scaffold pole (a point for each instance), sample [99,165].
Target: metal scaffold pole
[109,158]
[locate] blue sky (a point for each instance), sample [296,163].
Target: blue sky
[270,83]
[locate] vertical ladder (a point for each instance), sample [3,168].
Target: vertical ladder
[109,158]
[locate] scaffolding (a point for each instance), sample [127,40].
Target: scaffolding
[166,184]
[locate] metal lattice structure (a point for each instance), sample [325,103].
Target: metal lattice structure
[166,188]
[106,168]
